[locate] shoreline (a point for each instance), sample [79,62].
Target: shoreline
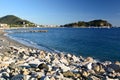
[18,61]
[11,42]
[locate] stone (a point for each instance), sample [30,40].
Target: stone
[49,67]
[85,73]
[8,70]
[61,55]
[75,59]
[63,67]
[89,66]
[28,77]
[20,61]
[52,78]
[93,78]
[33,65]
[43,66]
[55,61]
[25,65]
[42,54]
[34,62]
[89,59]
[5,75]
[115,67]
[63,60]
[40,74]
[47,58]
[77,75]
[97,68]
[69,55]
[107,78]
[45,78]
[0,57]
[68,74]
[110,70]
[4,65]
[18,77]
[60,77]
[3,79]
[25,71]
[81,58]
[5,58]
[117,63]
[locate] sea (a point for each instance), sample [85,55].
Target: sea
[102,44]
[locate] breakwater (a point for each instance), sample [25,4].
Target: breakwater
[19,31]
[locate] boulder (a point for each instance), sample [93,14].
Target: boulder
[89,66]
[52,78]
[89,59]
[115,67]
[68,74]
[63,60]
[40,74]
[69,55]
[43,66]
[18,77]
[49,67]
[5,75]
[63,67]
[117,63]
[25,71]
[45,78]
[55,61]
[75,59]
[93,78]
[110,70]
[5,58]
[85,73]
[42,54]
[4,65]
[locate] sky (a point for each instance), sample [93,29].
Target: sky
[59,12]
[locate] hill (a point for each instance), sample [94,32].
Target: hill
[15,21]
[94,23]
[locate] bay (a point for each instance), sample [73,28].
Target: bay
[101,43]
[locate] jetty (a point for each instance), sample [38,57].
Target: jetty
[19,31]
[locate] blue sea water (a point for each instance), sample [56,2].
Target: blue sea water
[101,43]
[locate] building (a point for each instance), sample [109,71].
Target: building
[4,26]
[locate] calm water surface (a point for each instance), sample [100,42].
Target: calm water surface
[102,44]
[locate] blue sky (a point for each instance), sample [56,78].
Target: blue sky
[62,11]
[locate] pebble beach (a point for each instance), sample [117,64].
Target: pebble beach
[21,62]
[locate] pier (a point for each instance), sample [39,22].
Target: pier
[19,31]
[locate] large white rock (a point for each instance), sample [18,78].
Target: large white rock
[63,60]
[55,61]
[75,59]
[89,66]
[69,55]
[50,67]
[63,67]
[47,58]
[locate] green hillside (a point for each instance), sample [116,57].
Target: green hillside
[15,21]
[94,23]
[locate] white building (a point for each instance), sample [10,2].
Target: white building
[2,25]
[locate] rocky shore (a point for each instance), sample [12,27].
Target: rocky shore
[20,62]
